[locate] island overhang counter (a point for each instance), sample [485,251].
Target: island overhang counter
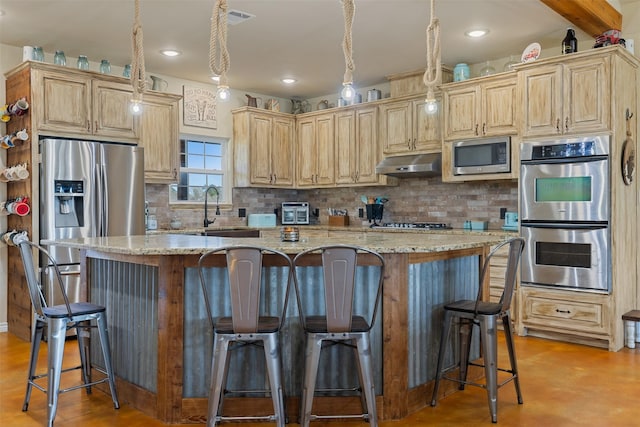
[161,342]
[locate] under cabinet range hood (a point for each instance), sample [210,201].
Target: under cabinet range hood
[414,165]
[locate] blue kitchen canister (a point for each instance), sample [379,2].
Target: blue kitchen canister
[461,72]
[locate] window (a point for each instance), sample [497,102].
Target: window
[203,162]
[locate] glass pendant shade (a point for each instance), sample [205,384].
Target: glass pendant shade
[135,107]
[223,94]
[347,91]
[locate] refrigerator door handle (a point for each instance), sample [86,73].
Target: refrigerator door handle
[101,197]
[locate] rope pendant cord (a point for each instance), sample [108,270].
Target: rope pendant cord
[219,65]
[349,8]
[138,72]
[433,74]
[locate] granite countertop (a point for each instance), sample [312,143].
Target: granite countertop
[184,244]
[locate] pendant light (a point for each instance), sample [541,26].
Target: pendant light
[219,66]
[433,74]
[138,74]
[348,9]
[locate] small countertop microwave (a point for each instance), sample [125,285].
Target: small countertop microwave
[481,155]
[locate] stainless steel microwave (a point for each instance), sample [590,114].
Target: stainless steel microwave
[480,156]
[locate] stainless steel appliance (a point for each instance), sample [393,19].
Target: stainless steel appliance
[295,213]
[480,156]
[565,213]
[411,166]
[87,189]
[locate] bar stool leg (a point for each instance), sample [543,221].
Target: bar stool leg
[311,361]
[82,335]
[490,351]
[366,373]
[56,333]
[272,358]
[363,400]
[446,327]
[466,332]
[36,339]
[506,325]
[220,350]
[103,334]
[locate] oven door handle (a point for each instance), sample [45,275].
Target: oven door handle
[564,160]
[565,226]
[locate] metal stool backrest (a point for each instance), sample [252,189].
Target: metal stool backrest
[516,246]
[33,278]
[339,264]
[244,269]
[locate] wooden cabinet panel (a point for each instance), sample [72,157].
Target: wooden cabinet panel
[65,102]
[397,131]
[159,137]
[566,98]
[315,151]
[461,112]
[426,127]
[263,148]
[346,152]
[499,107]
[111,116]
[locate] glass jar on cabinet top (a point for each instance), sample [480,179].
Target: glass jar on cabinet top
[83,62]
[461,72]
[105,67]
[59,58]
[487,69]
[38,54]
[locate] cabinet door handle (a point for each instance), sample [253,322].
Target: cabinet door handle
[175,173]
[484,128]
[414,143]
[558,125]
[563,311]
[409,143]
[566,124]
[275,178]
[88,125]
[476,130]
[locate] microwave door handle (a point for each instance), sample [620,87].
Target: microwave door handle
[564,226]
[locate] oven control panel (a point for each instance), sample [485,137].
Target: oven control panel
[562,149]
[574,149]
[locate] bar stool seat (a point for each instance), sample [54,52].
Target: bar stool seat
[58,319]
[333,321]
[485,314]
[253,321]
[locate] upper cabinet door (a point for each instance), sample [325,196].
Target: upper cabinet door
[346,151]
[462,112]
[499,107]
[426,127]
[587,91]
[111,116]
[281,151]
[396,127]
[65,102]
[260,151]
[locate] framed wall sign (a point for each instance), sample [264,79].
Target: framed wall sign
[199,107]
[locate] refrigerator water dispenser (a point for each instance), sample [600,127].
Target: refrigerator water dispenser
[69,203]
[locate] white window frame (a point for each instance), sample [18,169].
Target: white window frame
[227,173]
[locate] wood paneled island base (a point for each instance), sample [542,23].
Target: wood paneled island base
[161,362]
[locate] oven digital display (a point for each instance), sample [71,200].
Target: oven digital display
[569,189]
[574,149]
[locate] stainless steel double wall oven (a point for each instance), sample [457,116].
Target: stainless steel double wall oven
[565,213]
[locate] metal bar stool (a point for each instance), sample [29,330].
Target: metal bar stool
[58,319]
[253,321]
[485,315]
[336,323]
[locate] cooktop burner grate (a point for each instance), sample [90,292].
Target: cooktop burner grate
[423,225]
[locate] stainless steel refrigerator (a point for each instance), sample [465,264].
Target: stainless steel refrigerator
[87,189]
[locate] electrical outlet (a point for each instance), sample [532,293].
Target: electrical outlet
[360,213]
[630,45]
[502,212]
[242,212]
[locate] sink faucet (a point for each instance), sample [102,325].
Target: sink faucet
[207,221]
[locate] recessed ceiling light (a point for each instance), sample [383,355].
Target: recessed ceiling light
[170,52]
[215,78]
[288,81]
[476,33]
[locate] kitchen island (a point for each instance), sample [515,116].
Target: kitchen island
[162,343]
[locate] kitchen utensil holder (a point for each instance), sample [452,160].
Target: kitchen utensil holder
[338,220]
[374,213]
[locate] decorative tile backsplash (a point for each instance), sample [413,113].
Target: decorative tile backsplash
[412,200]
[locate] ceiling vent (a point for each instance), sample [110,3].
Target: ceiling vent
[235,17]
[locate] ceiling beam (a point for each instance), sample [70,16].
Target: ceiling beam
[592,16]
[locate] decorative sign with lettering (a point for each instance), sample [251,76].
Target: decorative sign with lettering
[199,107]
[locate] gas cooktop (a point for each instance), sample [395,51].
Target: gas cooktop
[421,225]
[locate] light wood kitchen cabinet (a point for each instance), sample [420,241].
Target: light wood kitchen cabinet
[566,97]
[315,151]
[406,127]
[356,147]
[481,107]
[76,102]
[264,149]
[159,137]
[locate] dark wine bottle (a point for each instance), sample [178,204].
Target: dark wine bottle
[570,43]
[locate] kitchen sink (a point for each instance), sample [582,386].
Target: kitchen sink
[233,232]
